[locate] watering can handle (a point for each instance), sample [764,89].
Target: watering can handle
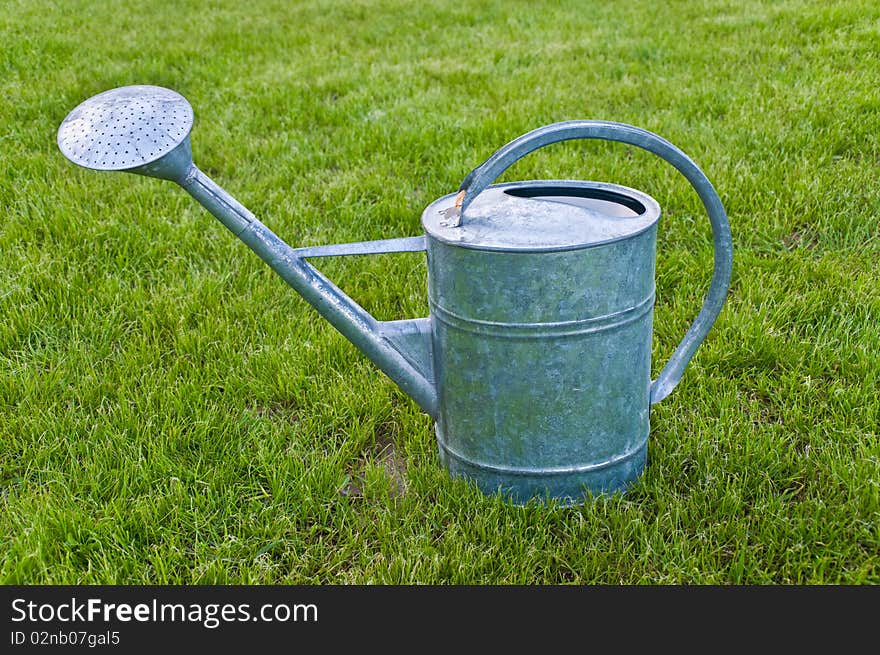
[486,173]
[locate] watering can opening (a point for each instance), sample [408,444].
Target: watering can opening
[602,201]
[543,216]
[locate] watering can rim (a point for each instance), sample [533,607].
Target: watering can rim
[506,222]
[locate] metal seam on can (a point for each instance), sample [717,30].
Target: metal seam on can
[540,330]
[550,470]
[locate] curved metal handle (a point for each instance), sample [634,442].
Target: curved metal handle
[486,173]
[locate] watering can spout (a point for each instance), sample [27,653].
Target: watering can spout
[145,130]
[402,349]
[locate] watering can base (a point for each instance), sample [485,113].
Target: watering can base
[568,487]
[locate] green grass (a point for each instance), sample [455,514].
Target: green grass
[170,412]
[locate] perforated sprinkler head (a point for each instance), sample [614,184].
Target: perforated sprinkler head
[137,129]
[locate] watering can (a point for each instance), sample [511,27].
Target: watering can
[535,361]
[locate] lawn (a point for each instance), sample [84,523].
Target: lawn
[171,412]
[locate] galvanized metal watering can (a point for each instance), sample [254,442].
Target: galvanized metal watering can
[535,360]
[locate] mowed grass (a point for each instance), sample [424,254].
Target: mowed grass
[170,412]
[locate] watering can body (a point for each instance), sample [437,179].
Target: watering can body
[541,297]
[535,360]
[541,305]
